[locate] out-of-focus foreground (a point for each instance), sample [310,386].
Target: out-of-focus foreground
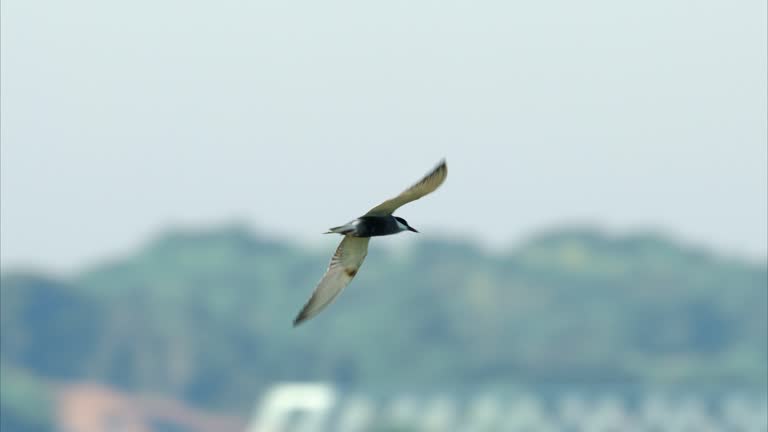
[574,330]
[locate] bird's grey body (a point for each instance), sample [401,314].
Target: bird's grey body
[372,226]
[353,249]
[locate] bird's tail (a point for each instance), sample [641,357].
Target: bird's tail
[344,229]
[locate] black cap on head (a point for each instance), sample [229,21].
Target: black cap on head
[402,221]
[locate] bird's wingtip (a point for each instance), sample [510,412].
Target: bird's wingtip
[300,318]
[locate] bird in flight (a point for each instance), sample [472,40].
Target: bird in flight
[353,248]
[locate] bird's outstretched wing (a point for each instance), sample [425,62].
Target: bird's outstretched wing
[427,185]
[344,266]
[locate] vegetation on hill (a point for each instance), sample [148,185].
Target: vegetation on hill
[206,316]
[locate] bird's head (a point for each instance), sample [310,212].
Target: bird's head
[404,225]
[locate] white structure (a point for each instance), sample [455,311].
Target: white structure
[311,402]
[317,407]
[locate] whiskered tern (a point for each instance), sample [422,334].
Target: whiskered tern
[352,250]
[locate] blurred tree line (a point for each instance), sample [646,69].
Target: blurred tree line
[205,316]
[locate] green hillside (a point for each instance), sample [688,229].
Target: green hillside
[206,316]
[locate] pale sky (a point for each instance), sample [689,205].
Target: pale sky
[121,119]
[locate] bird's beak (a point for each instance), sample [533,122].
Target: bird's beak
[412,229]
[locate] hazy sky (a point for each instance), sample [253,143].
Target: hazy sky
[120,119]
